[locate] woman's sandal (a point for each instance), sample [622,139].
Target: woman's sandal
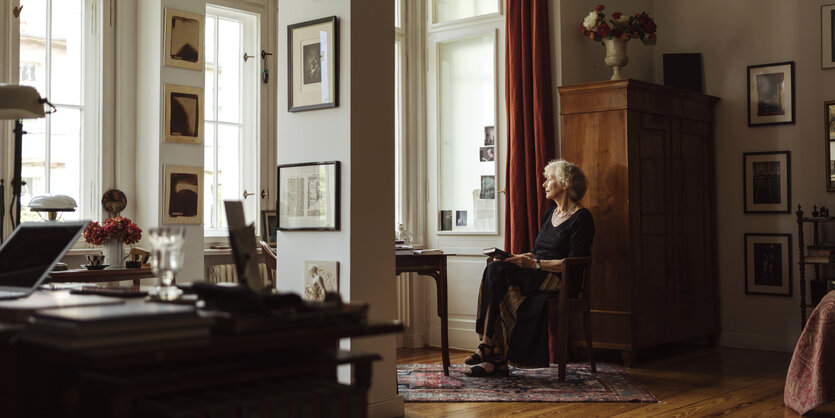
[476,358]
[500,368]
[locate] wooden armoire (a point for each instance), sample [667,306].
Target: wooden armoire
[648,153]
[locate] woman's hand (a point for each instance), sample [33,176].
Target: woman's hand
[524,261]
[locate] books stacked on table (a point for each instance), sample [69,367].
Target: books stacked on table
[401,248]
[93,327]
[428,251]
[821,253]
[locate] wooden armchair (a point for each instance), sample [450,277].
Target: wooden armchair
[270,261]
[561,308]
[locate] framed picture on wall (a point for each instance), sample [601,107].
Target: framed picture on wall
[313,65]
[183,114]
[184,39]
[183,195]
[766,182]
[828,36]
[771,94]
[829,143]
[308,196]
[269,225]
[768,264]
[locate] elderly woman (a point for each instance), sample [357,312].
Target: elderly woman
[513,331]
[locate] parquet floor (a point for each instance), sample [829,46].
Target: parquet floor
[688,381]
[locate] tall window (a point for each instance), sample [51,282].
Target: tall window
[59,57]
[399,79]
[232,97]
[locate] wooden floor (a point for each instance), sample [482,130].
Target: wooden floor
[687,380]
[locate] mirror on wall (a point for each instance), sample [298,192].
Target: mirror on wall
[829,134]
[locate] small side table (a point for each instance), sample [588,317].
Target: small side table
[433,265]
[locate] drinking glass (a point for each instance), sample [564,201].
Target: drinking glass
[167,250]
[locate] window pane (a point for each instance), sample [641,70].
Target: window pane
[229,70]
[228,165]
[33,169]
[397,14]
[398,135]
[65,155]
[448,10]
[209,93]
[66,52]
[32,45]
[210,196]
[467,143]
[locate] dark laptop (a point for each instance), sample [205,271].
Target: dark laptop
[30,253]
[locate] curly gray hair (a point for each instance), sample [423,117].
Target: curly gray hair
[569,175]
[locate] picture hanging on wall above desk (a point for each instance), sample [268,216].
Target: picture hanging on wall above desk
[313,64]
[183,195]
[183,114]
[308,196]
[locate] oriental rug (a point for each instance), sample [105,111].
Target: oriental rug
[611,383]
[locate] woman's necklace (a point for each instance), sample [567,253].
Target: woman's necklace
[564,214]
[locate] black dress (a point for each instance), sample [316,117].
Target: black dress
[520,324]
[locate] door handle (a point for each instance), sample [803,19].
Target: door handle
[247,194]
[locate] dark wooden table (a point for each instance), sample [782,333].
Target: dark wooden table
[100,276]
[434,266]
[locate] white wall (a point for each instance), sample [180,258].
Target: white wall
[359,133]
[731,35]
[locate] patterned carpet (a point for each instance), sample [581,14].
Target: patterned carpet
[611,383]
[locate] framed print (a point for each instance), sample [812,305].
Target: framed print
[269,223]
[828,36]
[184,39]
[183,114]
[308,196]
[771,94]
[312,64]
[183,195]
[766,182]
[829,143]
[768,264]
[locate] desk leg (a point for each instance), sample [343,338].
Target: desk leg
[443,313]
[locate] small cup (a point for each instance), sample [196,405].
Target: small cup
[95,260]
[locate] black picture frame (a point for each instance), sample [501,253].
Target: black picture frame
[308,197]
[828,36]
[766,182]
[829,143]
[305,66]
[269,226]
[771,94]
[768,264]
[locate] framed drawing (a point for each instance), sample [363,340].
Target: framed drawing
[829,143]
[183,114]
[313,64]
[771,94]
[766,182]
[183,195]
[308,196]
[269,223]
[828,36]
[184,39]
[768,264]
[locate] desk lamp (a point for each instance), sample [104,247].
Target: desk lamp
[16,103]
[52,205]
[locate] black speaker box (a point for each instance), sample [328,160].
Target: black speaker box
[683,71]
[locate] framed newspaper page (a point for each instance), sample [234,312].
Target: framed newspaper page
[308,196]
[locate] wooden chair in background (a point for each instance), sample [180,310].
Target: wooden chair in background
[270,261]
[562,307]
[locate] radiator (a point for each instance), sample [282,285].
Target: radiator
[226,273]
[403,298]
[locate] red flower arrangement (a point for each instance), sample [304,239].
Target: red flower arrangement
[640,26]
[117,227]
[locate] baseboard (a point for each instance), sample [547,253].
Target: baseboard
[757,342]
[388,408]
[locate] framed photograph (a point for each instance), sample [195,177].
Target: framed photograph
[308,196]
[183,114]
[829,143]
[269,224]
[184,39]
[768,264]
[313,64]
[486,154]
[771,94]
[183,195]
[828,36]
[766,182]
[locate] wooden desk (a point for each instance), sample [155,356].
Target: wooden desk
[435,266]
[100,276]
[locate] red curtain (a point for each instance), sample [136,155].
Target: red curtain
[530,129]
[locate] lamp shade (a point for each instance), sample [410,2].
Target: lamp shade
[49,203]
[20,102]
